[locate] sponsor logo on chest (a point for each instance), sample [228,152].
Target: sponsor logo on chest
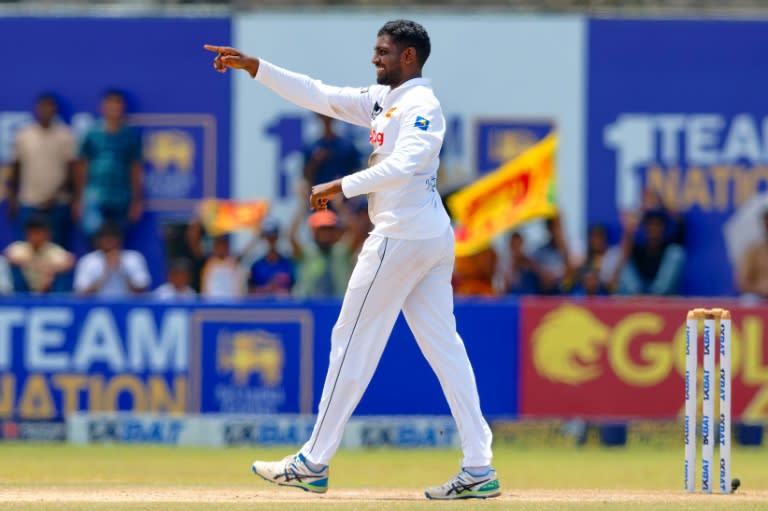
[376,138]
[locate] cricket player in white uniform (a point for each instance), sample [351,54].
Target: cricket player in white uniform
[405,264]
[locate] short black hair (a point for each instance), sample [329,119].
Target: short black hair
[110,230]
[115,94]
[600,229]
[35,222]
[407,33]
[654,215]
[46,97]
[180,264]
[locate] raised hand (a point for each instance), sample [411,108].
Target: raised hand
[233,58]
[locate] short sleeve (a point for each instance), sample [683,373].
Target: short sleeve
[68,145]
[87,272]
[86,147]
[17,250]
[58,256]
[135,267]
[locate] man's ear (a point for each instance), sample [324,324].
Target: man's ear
[409,55]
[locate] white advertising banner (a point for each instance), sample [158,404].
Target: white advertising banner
[218,430]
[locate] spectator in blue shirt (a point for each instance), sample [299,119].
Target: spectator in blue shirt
[330,157]
[110,175]
[274,273]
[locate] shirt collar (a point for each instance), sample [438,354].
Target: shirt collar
[413,82]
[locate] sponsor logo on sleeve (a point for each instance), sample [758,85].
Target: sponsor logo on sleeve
[376,110]
[422,123]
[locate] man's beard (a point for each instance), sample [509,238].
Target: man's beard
[389,77]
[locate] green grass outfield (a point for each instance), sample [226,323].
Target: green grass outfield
[64,477]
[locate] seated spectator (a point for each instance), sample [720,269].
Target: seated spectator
[6,282]
[602,261]
[674,226]
[753,272]
[588,283]
[653,265]
[515,275]
[473,274]
[188,240]
[221,276]
[272,274]
[110,270]
[325,264]
[37,264]
[547,271]
[177,287]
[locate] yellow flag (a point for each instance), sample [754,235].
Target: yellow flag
[222,216]
[520,190]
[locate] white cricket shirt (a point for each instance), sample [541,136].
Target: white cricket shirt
[406,130]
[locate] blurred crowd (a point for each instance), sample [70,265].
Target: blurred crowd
[647,258]
[60,188]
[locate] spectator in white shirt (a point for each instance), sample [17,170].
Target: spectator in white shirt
[221,276]
[110,270]
[177,287]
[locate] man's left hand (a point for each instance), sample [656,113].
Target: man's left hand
[324,192]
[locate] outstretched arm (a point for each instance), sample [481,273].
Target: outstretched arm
[345,103]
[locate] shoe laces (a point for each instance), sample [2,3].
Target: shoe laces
[292,468]
[456,482]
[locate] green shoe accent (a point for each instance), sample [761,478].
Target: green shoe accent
[467,486]
[493,485]
[319,486]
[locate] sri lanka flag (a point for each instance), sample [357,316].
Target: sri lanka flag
[520,190]
[223,216]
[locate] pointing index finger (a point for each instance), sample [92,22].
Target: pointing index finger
[216,49]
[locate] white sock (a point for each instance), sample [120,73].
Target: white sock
[314,467]
[477,471]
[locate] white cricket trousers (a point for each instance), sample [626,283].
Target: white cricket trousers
[393,275]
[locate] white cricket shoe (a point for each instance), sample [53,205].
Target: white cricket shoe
[292,471]
[467,486]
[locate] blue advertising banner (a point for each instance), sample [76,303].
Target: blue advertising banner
[70,356]
[58,356]
[679,106]
[255,361]
[181,106]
